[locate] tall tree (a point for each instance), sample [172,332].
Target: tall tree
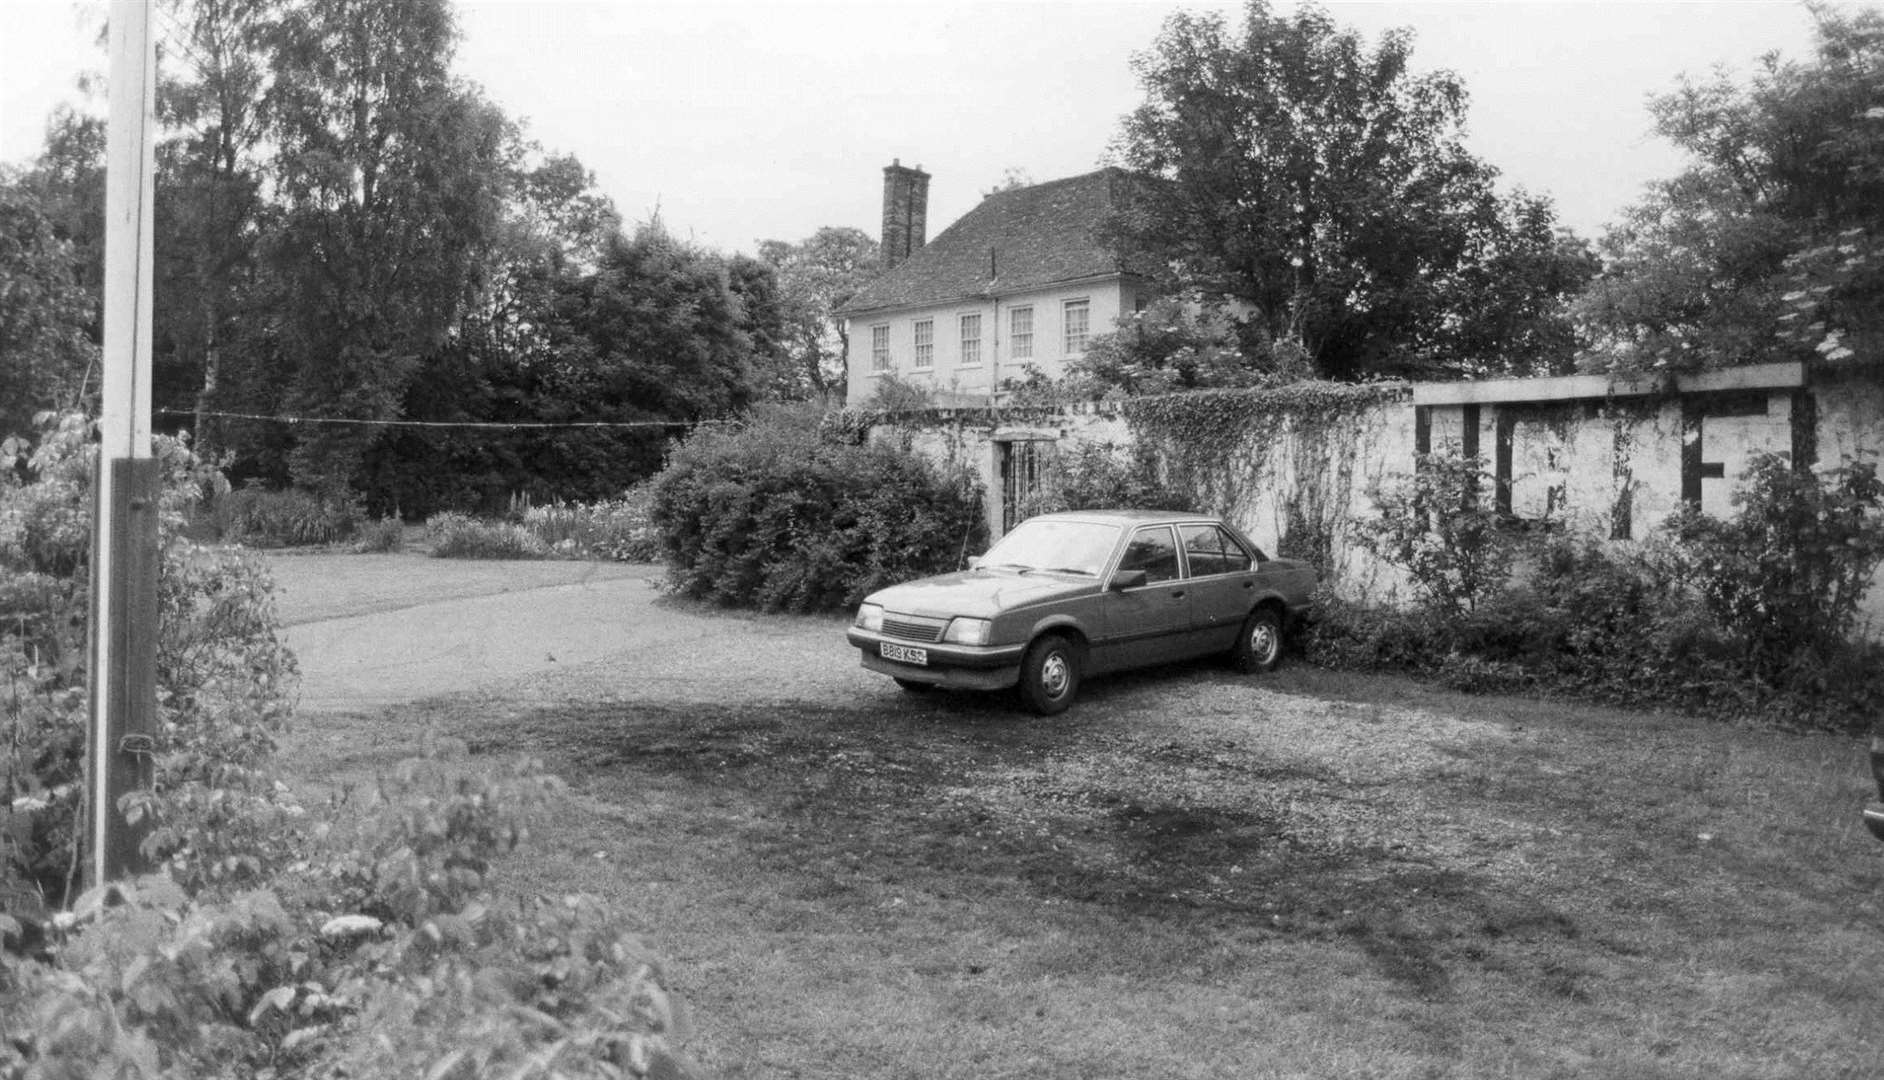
[51,273]
[815,278]
[209,169]
[390,176]
[48,357]
[1324,186]
[1770,244]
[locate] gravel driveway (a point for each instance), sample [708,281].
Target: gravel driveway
[375,630]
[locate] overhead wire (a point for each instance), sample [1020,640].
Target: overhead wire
[473,424]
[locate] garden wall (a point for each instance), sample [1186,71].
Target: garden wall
[1293,467]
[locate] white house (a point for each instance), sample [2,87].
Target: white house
[1019,284]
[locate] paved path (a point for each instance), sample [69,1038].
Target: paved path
[374,630]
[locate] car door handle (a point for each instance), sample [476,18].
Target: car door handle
[1249,584]
[1178,595]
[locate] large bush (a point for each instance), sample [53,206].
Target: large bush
[772,515]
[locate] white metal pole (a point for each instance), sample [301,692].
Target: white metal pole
[125,421]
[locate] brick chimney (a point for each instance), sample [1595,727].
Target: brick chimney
[905,211]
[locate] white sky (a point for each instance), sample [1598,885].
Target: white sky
[744,120]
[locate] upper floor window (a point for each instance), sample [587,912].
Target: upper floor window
[1020,333]
[1077,315]
[879,348]
[971,340]
[925,343]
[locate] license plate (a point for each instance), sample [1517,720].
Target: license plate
[902,654]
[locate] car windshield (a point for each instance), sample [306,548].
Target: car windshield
[1062,547]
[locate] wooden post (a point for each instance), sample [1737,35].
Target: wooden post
[124,533]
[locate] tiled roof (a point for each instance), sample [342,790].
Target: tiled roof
[1017,240]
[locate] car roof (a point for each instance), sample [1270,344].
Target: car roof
[1126,517]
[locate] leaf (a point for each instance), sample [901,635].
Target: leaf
[276,1000]
[350,926]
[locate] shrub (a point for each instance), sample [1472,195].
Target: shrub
[896,394]
[460,536]
[224,679]
[259,517]
[382,956]
[1435,526]
[380,536]
[1786,574]
[619,530]
[770,515]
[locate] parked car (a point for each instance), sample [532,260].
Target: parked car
[1067,596]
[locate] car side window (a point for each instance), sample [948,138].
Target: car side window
[1235,558]
[1153,550]
[1213,551]
[1203,548]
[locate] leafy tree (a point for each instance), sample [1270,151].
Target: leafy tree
[815,278]
[762,315]
[390,177]
[1770,245]
[47,355]
[209,200]
[1323,188]
[1178,342]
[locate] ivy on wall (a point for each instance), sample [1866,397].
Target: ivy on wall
[1232,445]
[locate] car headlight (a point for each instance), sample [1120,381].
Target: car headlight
[968,631]
[869,617]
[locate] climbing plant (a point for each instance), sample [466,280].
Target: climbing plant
[1228,446]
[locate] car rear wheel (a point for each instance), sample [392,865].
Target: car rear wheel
[1049,675]
[912,686]
[1259,644]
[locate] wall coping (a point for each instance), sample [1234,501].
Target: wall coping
[1580,387]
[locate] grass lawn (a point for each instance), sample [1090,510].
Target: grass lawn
[1195,874]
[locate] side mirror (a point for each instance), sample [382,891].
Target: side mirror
[974,562]
[1126,579]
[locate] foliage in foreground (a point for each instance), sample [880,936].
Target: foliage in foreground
[378,954]
[1752,615]
[365,946]
[224,680]
[774,515]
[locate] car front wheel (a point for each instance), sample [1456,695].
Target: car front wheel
[1259,646]
[1049,675]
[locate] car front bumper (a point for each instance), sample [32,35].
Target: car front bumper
[961,667]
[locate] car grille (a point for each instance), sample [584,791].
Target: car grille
[910,628]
